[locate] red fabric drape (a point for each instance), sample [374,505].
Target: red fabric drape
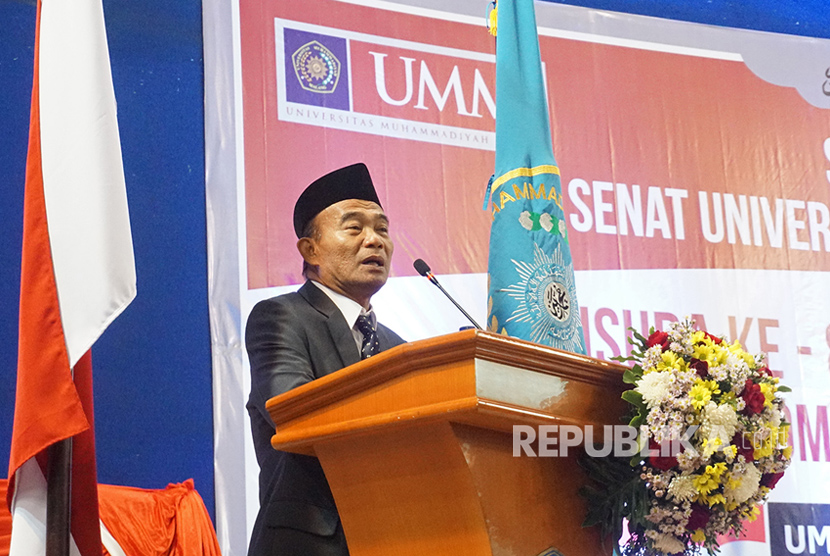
[171,521]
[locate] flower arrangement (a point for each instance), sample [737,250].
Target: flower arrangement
[713,439]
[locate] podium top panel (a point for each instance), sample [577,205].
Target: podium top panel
[461,376]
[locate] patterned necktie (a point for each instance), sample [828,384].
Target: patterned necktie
[370,336]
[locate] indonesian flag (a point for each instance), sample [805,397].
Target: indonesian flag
[78,271]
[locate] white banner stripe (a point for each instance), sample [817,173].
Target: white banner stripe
[29,513]
[29,516]
[86,201]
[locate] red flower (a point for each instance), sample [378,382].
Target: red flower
[769,480]
[663,463]
[658,338]
[700,367]
[714,339]
[753,397]
[765,371]
[699,517]
[744,446]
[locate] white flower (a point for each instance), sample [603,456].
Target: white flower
[682,349]
[737,363]
[719,425]
[668,544]
[525,221]
[546,222]
[651,358]
[654,387]
[658,514]
[563,230]
[775,418]
[746,487]
[682,488]
[719,373]
[689,460]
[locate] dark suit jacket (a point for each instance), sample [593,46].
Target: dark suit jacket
[293,339]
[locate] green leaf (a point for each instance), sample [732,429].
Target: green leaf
[638,421]
[611,482]
[631,376]
[782,388]
[634,398]
[643,340]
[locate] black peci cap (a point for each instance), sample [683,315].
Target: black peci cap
[351,182]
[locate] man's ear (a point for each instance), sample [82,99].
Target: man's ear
[308,249]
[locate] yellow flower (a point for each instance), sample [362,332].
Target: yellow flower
[702,391]
[704,351]
[765,444]
[768,390]
[713,386]
[721,353]
[709,480]
[670,360]
[700,396]
[718,469]
[735,347]
[699,536]
[705,484]
[783,440]
[724,350]
[707,350]
[753,515]
[710,446]
[713,499]
[730,452]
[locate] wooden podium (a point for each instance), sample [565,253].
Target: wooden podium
[417,445]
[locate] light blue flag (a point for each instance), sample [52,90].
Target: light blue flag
[532,294]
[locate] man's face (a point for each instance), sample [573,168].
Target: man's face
[351,249]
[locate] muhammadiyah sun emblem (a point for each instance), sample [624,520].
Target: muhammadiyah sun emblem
[547,300]
[316,67]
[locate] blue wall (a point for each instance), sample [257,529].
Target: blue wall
[152,367]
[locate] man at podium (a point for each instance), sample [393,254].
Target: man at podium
[295,338]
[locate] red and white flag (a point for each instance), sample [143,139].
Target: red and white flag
[78,270]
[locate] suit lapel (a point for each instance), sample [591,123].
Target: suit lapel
[338,328]
[385,340]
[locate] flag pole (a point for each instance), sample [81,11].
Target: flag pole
[58,498]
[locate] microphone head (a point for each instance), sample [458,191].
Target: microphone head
[421,267]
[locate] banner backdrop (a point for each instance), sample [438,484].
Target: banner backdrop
[695,165]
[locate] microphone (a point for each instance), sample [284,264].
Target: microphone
[423,270]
